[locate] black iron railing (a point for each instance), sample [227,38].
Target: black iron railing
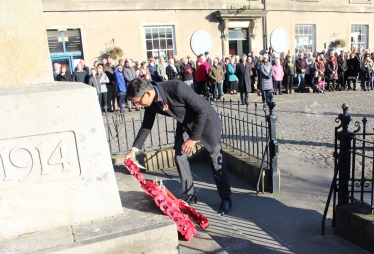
[354,165]
[249,129]
[244,129]
[121,131]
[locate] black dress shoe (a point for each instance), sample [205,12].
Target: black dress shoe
[189,199]
[225,206]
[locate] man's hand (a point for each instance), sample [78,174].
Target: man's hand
[130,155]
[188,146]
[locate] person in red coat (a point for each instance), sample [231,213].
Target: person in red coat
[202,75]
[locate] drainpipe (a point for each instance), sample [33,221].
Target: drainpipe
[265,28]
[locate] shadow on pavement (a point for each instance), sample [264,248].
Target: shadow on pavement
[255,224]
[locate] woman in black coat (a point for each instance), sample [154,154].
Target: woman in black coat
[64,75]
[243,70]
[353,69]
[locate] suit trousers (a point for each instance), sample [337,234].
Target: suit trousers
[112,94]
[244,98]
[217,163]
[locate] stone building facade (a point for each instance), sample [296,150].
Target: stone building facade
[84,28]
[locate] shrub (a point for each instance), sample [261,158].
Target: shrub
[114,52]
[339,43]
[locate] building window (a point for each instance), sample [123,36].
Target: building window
[359,36]
[305,38]
[65,47]
[159,41]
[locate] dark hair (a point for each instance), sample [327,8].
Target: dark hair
[137,88]
[227,58]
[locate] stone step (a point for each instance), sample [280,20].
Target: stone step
[131,232]
[142,228]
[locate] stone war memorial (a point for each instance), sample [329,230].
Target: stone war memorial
[55,166]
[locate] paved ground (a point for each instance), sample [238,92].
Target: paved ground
[260,223]
[291,223]
[306,122]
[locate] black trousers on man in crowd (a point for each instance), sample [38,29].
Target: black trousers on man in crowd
[289,83]
[112,95]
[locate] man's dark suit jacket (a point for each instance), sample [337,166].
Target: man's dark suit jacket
[243,74]
[254,59]
[55,76]
[192,112]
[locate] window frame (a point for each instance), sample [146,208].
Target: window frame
[297,36]
[166,56]
[359,44]
[71,55]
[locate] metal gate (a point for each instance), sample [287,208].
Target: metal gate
[354,165]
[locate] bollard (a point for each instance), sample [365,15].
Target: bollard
[271,119]
[345,140]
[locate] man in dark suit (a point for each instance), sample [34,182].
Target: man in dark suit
[196,120]
[243,70]
[56,70]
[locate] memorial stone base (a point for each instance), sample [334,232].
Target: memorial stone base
[55,165]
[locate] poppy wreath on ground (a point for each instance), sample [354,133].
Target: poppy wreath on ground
[176,209]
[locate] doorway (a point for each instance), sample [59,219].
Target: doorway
[238,41]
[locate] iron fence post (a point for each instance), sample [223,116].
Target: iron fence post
[271,119]
[345,144]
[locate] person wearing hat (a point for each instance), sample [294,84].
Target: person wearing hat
[206,54]
[202,76]
[192,63]
[266,73]
[366,73]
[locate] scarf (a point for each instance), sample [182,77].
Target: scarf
[320,65]
[290,63]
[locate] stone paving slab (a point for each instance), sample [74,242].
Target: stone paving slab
[205,186]
[262,224]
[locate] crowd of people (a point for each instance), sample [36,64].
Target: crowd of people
[268,72]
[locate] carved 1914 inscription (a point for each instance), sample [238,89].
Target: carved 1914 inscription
[38,159]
